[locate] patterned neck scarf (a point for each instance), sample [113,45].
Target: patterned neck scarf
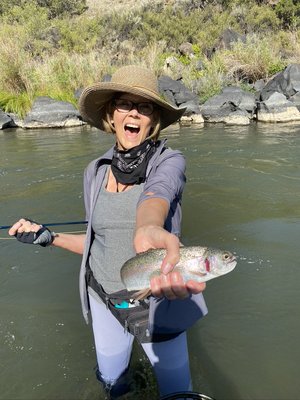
[129,166]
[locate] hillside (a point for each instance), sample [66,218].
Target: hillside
[53,48]
[107,6]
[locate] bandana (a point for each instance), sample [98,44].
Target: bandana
[129,166]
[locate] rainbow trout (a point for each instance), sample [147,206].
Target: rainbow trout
[197,263]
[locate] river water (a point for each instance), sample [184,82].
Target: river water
[242,194]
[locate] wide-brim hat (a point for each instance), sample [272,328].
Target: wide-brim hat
[129,79]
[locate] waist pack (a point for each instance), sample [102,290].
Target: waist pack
[134,316]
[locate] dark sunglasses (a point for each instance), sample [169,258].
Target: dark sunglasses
[124,106]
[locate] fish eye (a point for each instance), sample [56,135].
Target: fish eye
[226,256]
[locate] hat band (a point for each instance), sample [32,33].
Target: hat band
[148,90]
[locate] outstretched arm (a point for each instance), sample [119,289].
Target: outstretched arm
[151,215]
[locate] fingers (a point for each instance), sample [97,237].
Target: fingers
[14,229]
[170,286]
[195,287]
[173,253]
[23,225]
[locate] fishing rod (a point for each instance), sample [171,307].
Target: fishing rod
[53,224]
[186,396]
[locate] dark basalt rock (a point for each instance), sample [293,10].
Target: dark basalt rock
[49,113]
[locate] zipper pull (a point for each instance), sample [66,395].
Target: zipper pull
[126,326]
[107,301]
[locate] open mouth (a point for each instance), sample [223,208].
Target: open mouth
[132,128]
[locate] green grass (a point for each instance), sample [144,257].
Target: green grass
[18,104]
[47,54]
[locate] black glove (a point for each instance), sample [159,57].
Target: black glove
[44,237]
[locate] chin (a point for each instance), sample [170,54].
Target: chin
[131,143]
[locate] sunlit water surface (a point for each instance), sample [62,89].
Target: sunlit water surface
[242,194]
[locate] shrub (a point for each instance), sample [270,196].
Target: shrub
[31,21]
[54,57]
[62,74]
[211,80]
[253,60]
[59,8]
[80,35]
[18,104]
[211,26]
[6,4]
[288,11]
[261,19]
[14,64]
[54,8]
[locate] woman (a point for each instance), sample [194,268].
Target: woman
[133,203]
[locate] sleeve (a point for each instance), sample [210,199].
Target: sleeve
[167,179]
[87,188]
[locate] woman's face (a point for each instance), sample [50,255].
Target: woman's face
[132,127]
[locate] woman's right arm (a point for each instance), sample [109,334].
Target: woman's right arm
[67,241]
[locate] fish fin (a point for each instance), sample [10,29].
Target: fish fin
[141,294]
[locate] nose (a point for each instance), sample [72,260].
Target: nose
[134,110]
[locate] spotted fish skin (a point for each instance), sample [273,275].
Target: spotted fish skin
[196,263]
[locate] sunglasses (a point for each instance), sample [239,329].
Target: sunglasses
[124,106]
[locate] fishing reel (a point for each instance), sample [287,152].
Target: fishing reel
[186,396]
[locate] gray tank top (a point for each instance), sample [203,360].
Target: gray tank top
[113,223]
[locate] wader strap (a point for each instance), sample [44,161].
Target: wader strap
[115,297]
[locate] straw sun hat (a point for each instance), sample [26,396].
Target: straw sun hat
[130,79]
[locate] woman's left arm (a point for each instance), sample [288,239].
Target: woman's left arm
[150,219]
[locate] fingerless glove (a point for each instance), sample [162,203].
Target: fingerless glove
[44,237]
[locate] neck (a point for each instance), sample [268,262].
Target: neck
[114,186]
[129,166]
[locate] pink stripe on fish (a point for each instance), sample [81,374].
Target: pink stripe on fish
[207,264]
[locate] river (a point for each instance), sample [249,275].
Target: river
[242,194]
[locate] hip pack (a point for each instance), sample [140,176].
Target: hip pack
[132,315]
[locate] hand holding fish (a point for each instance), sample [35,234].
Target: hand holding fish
[196,264]
[169,284]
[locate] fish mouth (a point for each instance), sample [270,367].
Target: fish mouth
[231,264]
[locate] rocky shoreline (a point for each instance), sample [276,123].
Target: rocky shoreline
[277,100]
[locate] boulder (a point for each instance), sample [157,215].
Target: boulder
[173,67]
[237,118]
[286,82]
[192,119]
[5,120]
[49,113]
[259,85]
[228,38]
[178,94]
[295,99]
[276,108]
[232,104]
[186,49]
[17,121]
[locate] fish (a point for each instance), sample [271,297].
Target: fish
[196,263]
